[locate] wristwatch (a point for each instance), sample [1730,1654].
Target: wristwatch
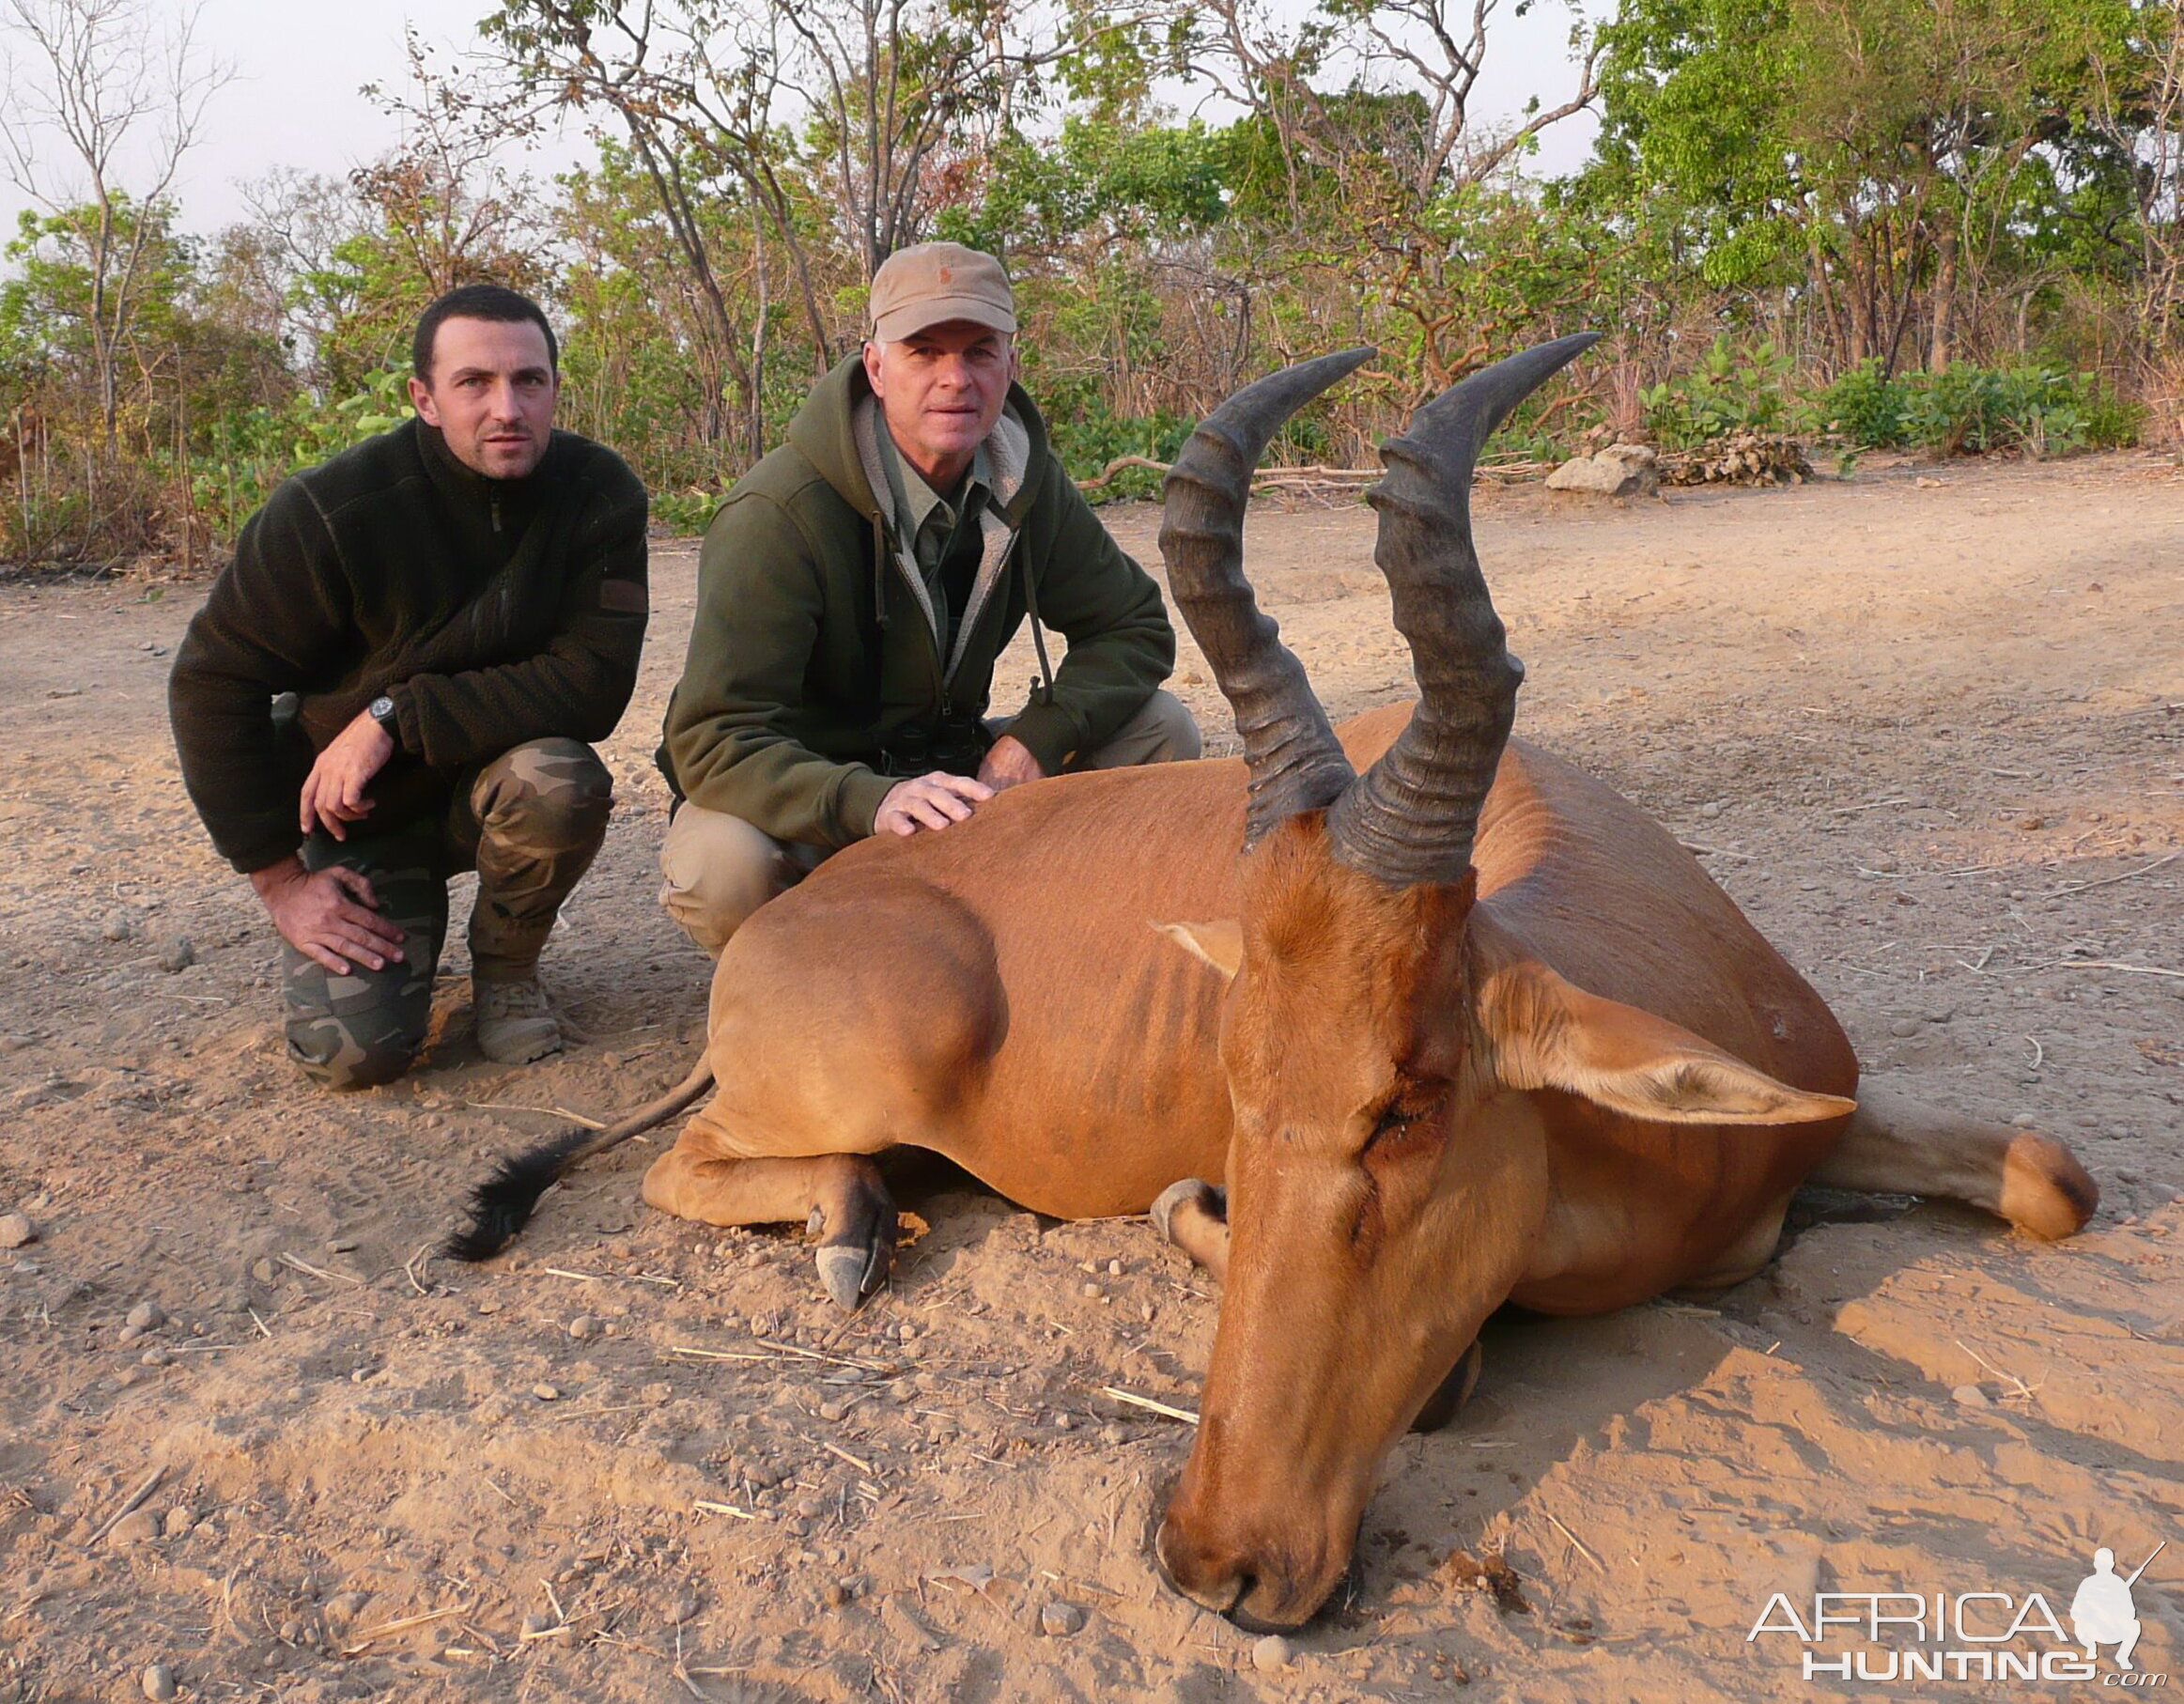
[381,710]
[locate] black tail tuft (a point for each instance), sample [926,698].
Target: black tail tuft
[501,1206]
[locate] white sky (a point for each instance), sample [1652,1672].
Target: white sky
[300,63]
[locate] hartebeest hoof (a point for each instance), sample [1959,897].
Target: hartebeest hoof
[857,1242]
[1194,1216]
[1455,1391]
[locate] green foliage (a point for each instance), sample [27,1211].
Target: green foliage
[1867,407]
[687,511]
[1100,182]
[1730,389]
[257,448]
[2039,410]
[1861,188]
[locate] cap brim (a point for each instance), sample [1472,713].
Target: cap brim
[899,323]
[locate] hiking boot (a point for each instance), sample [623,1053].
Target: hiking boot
[515,1024]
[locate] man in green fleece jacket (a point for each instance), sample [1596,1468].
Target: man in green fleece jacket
[856,590]
[395,680]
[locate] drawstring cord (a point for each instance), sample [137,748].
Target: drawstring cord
[1043,685]
[879,571]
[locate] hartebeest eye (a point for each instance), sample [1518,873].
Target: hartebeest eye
[1410,1116]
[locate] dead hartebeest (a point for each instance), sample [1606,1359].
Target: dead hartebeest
[1458,1025]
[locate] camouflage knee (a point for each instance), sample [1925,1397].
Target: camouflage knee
[361,1030]
[541,810]
[542,798]
[347,1033]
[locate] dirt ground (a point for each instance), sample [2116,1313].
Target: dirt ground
[1927,725]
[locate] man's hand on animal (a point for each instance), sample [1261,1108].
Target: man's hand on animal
[329,916]
[930,801]
[334,792]
[1010,764]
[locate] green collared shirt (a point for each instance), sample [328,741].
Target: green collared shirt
[934,528]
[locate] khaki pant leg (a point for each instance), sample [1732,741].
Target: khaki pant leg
[719,870]
[1161,732]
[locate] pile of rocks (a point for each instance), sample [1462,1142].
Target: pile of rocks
[1741,458]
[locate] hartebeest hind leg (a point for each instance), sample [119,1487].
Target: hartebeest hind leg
[840,1196]
[1898,1145]
[1194,1216]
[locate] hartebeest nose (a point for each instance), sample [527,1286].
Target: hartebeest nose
[1263,1587]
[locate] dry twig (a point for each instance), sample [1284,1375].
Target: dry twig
[2024,1389]
[574,1118]
[2109,881]
[1583,1549]
[135,1502]
[320,1272]
[1147,1404]
[403,1625]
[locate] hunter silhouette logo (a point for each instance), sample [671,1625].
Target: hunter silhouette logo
[1885,1636]
[2102,1613]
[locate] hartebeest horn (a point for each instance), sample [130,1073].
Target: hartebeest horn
[1411,818]
[1295,762]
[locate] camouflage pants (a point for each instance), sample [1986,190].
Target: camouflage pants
[530,822]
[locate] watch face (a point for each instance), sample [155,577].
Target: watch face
[381,709]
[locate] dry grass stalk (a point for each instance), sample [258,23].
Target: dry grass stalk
[2024,1389]
[728,1508]
[857,1462]
[407,1622]
[2109,881]
[1583,1549]
[2104,964]
[320,1272]
[600,1278]
[1147,1404]
[574,1118]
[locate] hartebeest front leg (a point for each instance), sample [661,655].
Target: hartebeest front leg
[1194,1216]
[1455,1391]
[839,1197]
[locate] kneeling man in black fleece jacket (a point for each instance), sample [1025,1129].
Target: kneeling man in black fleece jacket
[399,677]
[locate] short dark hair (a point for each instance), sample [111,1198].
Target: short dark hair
[495,302]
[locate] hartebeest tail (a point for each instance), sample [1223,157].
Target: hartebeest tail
[502,1205]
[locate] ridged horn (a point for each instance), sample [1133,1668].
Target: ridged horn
[1412,817]
[1295,760]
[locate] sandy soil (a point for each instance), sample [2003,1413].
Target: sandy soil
[1930,727]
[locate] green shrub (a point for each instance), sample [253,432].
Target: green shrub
[687,512]
[2039,410]
[1087,438]
[1729,391]
[1866,407]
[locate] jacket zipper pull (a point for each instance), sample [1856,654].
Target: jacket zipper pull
[495,501]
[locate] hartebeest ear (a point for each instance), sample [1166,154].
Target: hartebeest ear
[1219,943]
[1549,1033]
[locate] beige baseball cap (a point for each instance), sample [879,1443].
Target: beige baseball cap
[936,281]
